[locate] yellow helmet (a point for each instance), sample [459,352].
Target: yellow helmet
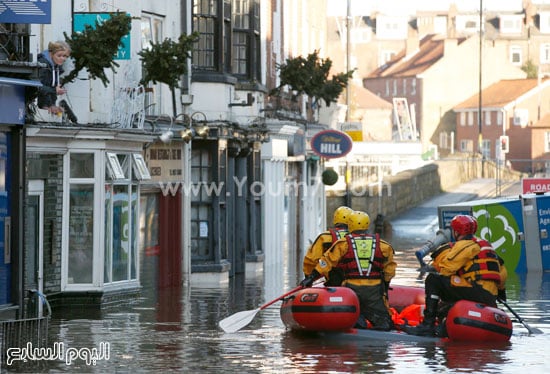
[359,221]
[342,215]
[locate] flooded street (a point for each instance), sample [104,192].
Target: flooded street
[176,330]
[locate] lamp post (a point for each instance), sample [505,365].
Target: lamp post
[480,103]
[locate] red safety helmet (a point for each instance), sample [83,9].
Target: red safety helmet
[464,225]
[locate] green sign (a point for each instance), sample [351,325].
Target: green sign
[80,20]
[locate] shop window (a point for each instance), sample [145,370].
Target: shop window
[81,198]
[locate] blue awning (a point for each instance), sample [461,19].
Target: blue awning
[20,82]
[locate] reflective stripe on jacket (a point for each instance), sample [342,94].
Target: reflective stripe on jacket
[364,259]
[484,266]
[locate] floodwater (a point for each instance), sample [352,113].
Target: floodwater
[176,330]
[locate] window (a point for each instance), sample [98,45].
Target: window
[205,21]
[510,24]
[413,86]
[229,37]
[544,18]
[121,225]
[246,38]
[151,32]
[487,117]
[466,145]
[547,141]
[545,53]
[140,167]
[462,118]
[391,27]
[201,204]
[82,215]
[486,148]
[499,117]
[515,55]
[470,118]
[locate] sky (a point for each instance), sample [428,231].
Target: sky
[405,7]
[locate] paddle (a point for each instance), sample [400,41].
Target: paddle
[532,330]
[237,321]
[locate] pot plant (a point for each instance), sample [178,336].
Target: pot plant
[166,62]
[310,76]
[94,48]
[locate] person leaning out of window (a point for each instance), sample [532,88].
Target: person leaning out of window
[54,58]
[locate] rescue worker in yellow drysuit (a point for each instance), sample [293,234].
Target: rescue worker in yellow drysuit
[324,241]
[468,269]
[368,265]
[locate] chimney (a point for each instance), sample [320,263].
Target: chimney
[450,45]
[412,45]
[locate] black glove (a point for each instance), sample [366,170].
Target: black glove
[502,294]
[386,287]
[308,281]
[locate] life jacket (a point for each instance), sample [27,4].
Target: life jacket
[484,266]
[411,315]
[364,258]
[336,234]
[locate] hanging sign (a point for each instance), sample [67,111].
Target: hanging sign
[331,144]
[26,11]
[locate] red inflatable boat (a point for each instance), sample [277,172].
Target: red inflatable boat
[336,309]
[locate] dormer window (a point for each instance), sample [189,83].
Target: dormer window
[544,19]
[510,24]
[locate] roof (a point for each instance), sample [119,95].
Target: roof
[366,99]
[500,94]
[431,49]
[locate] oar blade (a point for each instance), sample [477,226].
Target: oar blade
[237,321]
[534,330]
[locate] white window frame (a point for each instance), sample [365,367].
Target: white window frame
[511,24]
[152,30]
[470,118]
[544,18]
[486,148]
[487,117]
[544,57]
[547,141]
[97,253]
[516,55]
[462,118]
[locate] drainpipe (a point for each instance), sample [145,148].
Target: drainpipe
[186,101]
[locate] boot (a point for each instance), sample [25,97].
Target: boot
[427,327]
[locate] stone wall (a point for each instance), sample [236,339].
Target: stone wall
[409,188]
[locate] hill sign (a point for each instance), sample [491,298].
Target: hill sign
[331,144]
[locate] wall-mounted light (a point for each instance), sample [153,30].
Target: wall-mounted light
[202,131]
[186,135]
[166,136]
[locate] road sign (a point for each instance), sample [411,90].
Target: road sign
[533,185]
